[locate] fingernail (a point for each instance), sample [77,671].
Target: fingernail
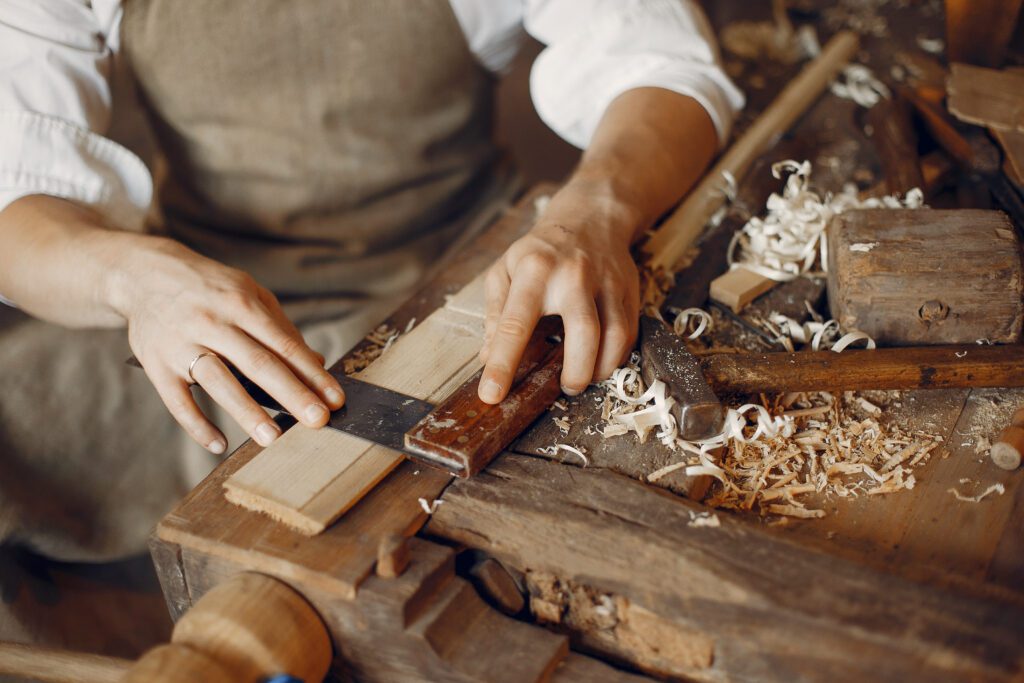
[315,412]
[334,397]
[570,392]
[490,391]
[217,446]
[266,433]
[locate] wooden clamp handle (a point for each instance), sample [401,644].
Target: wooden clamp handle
[244,630]
[463,434]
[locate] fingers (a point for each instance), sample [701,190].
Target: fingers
[272,329]
[618,323]
[512,332]
[265,368]
[496,288]
[582,338]
[175,394]
[213,376]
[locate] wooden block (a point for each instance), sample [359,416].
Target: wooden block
[979,31]
[926,276]
[986,97]
[393,556]
[491,577]
[739,287]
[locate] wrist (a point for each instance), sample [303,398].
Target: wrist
[602,205]
[125,258]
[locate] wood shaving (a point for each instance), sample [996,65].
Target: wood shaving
[378,341]
[430,508]
[704,519]
[553,450]
[994,488]
[562,423]
[857,83]
[682,323]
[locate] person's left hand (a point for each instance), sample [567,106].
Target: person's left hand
[575,263]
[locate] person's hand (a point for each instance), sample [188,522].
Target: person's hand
[574,263]
[180,305]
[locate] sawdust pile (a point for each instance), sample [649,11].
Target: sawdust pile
[776,454]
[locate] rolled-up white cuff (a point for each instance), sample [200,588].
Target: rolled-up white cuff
[41,154]
[576,121]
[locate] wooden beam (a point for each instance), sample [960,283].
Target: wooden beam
[671,240]
[714,603]
[927,367]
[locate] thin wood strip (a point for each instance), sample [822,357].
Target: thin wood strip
[987,97]
[310,477]
[668,244]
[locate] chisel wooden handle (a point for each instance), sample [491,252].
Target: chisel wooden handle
[463,434]
[922,367]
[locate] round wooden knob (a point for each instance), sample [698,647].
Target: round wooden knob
[178,663]
[1006,452]
[257,627]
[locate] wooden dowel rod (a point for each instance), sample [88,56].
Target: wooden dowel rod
[930,367]
[668,244]
[60,666]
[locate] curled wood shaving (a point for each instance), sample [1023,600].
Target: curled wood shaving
[681,324]
[994,488]
[554,448]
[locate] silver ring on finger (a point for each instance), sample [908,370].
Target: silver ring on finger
[192,365]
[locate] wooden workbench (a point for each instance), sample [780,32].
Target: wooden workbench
[612,562]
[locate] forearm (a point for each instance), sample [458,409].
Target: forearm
[650,147]
[59,262]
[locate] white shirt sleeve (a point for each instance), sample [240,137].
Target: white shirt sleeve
[598,49]
[55,107]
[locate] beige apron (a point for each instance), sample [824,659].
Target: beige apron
[332,148]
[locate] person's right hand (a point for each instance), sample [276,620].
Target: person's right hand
[179,305]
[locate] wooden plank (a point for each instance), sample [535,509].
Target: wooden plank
[755,598]
[308,478]
[62,666]
[986,97]
[739,287]
[931,367]
[670,241]
[890,273]
[979,31]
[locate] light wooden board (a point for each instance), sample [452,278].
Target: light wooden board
[738,287]
[308,478]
